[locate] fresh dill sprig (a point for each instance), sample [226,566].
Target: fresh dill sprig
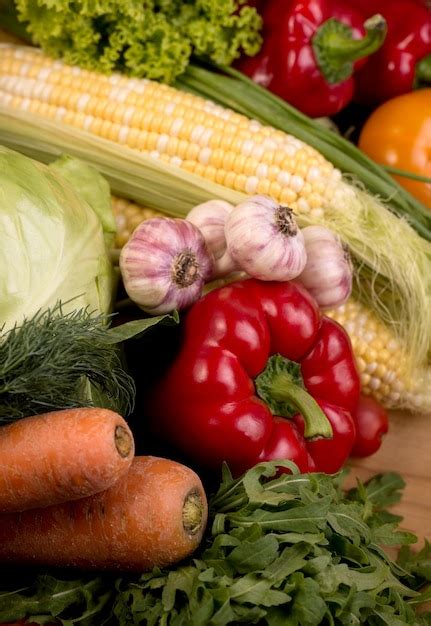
[55,361]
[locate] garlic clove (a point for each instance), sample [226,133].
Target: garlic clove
[165,265]
[224,266]
[328,273]
[210,218]
[264,240]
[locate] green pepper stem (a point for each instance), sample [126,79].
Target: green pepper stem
[316,423]
[423,70]
[336,50]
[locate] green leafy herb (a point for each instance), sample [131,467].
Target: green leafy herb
[282,550]
[56,361]
[88,598]
[153,38]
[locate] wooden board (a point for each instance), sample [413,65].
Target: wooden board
[407,450]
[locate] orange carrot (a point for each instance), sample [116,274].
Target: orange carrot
[61,456]
[153,516]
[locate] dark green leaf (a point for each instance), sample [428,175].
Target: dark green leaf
[136,328]
[225,615]
[71,350]
[391,535]
[183,579]
[384,490]
[350,552]
[254,556]
[69,600]
[346,520]
[254,590]
[308,518]
[291,560]
[308,607]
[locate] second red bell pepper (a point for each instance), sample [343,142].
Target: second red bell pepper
[225,398]
[311,50]
[404,60]
[372,424]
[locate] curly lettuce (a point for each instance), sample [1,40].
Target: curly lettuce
[153,39]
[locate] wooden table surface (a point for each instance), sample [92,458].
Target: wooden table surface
[406,449]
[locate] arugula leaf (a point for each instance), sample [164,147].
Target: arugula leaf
[302,518]
[290,560]
[256,590]
[382,490]
[390,535]
[263,552]
[309,607]
[346,520]
[69,600]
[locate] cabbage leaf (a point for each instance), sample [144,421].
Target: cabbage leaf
[53,247]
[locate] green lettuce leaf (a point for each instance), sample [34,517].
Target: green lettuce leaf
[152,38]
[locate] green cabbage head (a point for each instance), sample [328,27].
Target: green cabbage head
[55,226]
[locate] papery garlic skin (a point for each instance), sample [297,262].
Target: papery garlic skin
[264,240]
[210,217]
[165,265]
[328,273]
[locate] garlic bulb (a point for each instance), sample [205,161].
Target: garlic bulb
[210,217]
[328,272]
[264,240]
[165,265]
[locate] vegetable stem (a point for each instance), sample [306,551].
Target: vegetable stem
[336,50]
[408,174]
[316,422]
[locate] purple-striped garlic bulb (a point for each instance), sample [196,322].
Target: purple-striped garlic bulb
[264,239]
[165,265]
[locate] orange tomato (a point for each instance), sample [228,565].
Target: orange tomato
[398,133]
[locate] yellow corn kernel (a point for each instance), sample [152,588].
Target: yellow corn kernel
[128,215]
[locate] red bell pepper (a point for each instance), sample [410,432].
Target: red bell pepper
[404,60]
[311,50]
[372,423]
[225,398]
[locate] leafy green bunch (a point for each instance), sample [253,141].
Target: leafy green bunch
[56,360]
[283,549]
[145,38]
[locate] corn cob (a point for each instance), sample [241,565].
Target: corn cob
[384,365]
[178,128]
[189,132]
